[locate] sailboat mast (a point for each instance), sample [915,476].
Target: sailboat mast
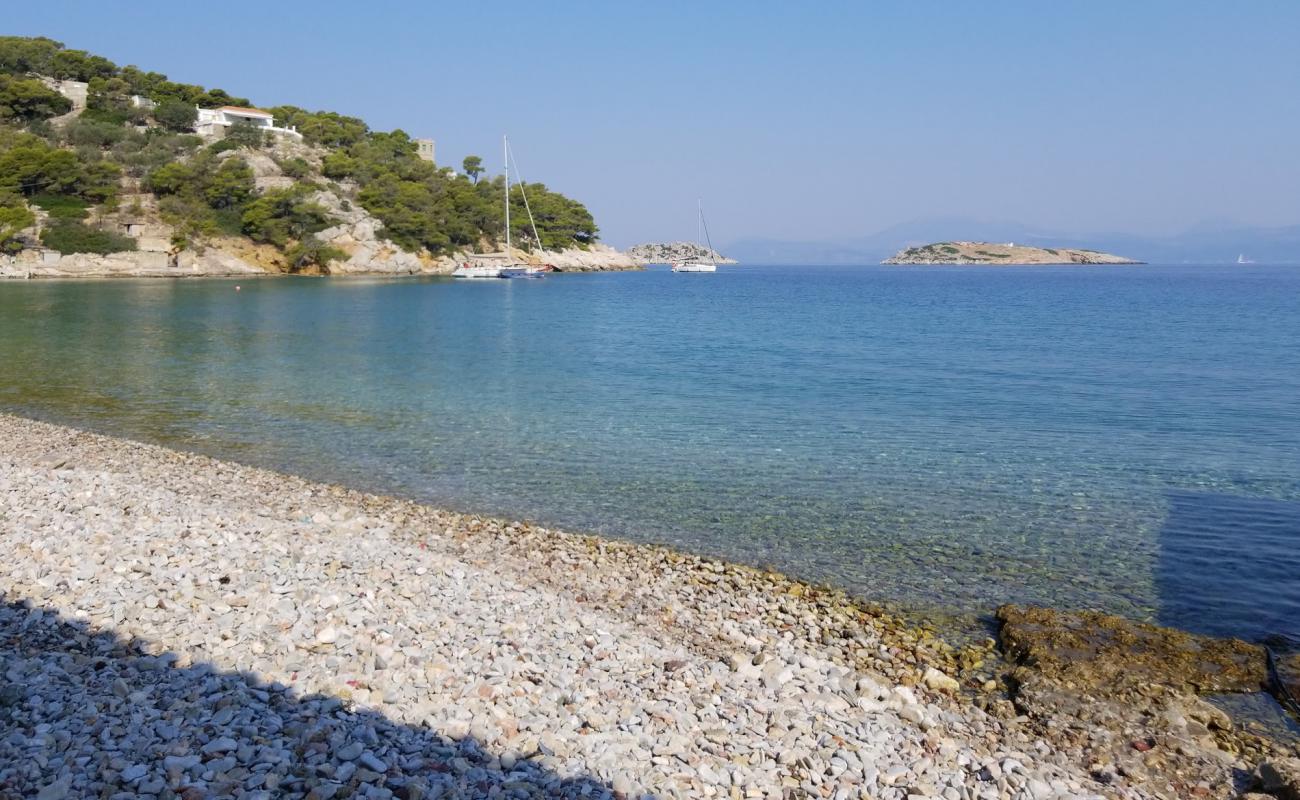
[713,258]
[505,151]
[699,221]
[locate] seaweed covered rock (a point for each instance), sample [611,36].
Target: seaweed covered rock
[1114,656]
[1126,692]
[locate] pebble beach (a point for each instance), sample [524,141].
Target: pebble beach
[175,626]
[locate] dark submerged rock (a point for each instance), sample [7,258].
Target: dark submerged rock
[1127,693]
[1113,656]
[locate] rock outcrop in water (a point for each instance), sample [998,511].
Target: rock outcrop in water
[1006,254]
[1136,688]
[1100,652]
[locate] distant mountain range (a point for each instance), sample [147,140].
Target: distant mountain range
[1209,243]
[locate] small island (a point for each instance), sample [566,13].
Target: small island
[1007,254]
[671,252]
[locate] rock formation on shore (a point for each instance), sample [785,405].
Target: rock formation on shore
[670,252]
[1005,254]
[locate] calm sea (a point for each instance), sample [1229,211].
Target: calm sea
[1120,438]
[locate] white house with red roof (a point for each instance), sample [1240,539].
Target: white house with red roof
[212,123]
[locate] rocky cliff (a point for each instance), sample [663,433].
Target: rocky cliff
[356,233]
[669,252]
[1006,254]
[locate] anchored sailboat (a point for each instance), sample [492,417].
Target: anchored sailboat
[698,264]
[502,265]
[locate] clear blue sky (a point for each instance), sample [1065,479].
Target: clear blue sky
[791,120]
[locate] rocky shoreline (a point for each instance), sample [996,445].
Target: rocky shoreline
[355,233]
[231,259]
[179,626]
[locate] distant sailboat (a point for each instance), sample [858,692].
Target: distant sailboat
[1241,259]
[507,268]
[698,265]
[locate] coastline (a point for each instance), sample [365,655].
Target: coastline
[557,655]
[363,260]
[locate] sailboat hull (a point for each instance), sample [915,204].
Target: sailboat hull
[477,273]
[688,267]
[488,272]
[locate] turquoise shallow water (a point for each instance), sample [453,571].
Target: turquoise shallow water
[947,438]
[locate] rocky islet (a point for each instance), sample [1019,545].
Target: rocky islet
[1005,254]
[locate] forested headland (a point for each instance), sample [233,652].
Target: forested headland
[67,172]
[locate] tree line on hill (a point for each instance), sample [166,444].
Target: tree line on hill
[208,190]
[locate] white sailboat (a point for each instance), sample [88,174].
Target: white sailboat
[501,265]
[699,265]
[1241,259]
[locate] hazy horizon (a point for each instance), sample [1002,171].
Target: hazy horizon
[793,123]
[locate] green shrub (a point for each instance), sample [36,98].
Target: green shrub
[322,127]
[221,146]
[229,221]
[62,207]
[192,218]
[230,185]
[43,129]
[284,216]
[170,178]
[27,100]
[245,134]
[30,166]
[108,116]
[339,165]
[175,115]
[141,155]
[295,167]
[312,252]
[95,133]
[14,216]
[75,237]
